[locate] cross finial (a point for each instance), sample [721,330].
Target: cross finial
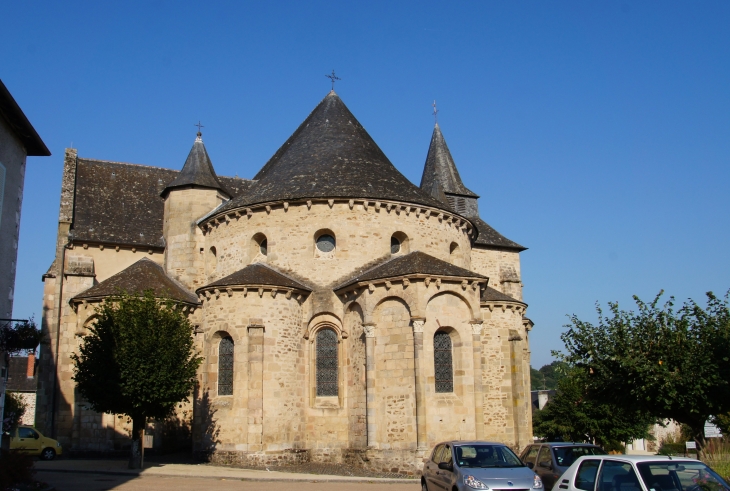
[199,126]
[435,113]
[333,77]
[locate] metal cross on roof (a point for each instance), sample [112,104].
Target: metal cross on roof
[333,77]
[199,126]
[435,113]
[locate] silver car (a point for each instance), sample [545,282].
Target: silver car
[467,465]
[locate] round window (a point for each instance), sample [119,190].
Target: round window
[263,247]
[394,245]
[326,243]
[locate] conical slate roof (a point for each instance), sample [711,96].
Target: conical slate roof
[331,155]
[414,263]
[487,236]
[440,167]
[143,275]
[257,274]
[197,171]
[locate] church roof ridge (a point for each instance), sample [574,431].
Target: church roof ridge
[330,155]
[197,171]
[440,167]
[142,275]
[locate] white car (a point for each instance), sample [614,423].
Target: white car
[639,473]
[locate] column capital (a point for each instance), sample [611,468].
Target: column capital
[369,328]
[418,323]
[476,326]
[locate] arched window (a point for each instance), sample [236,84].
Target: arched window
[225,367]
[399,243]
[327,363]
[443,362]
[259,246]
[212,259]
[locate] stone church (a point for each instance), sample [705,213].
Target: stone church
[343,313]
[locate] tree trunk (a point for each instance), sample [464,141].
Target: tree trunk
[136,458]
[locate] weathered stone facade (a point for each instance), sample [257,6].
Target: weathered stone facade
[381,273]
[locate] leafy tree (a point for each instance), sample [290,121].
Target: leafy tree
[138,360]
[15,408]
[573,415]
[548,376]
[671,364]
[22,336]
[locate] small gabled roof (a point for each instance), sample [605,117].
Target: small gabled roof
[440,167]
[257,274]
[415,263]
[331,156]
[143,275]
[491,295]
[487,236]
[198,170]
[15,118]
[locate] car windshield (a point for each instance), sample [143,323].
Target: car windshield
[486,456]
[565,456]
[680,476]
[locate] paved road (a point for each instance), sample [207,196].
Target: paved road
[64,481]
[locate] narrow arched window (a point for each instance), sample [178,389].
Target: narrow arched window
[225,367]
[443,362]
[326,363]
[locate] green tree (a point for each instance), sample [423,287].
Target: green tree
[548,376]
[138,360]
[573,415]
[14,410]
[671,364]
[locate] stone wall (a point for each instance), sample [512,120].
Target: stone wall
[502,267]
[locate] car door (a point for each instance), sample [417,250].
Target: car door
[443,476]
[28,440]
[544,467]
[585,476]
[430,468]
[529,456]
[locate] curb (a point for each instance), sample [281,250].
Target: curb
[314,478]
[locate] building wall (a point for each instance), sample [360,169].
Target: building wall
[12,176]
[502,267]
[362,236]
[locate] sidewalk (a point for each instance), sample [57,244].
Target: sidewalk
[119,468]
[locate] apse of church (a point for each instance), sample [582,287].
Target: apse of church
[343,313]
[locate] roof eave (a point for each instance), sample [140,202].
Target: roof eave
[16,119]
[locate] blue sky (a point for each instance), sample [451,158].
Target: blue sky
[596,133]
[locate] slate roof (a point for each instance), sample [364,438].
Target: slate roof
[440,167]
[257,274]
[15,118]
[410,264]
[331,155]
[143,275]
[198,170]
[18,380]
[120,203]
[491,295]
[490,237]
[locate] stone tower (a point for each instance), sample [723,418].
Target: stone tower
[194,193]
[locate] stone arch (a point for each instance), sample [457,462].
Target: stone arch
[258,247]
[474,307]
[401,241]
[322,319]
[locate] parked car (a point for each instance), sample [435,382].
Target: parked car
[550,459]
[467,465]
[640,473]
[29,440]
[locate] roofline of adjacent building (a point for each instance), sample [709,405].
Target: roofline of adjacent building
[18,122]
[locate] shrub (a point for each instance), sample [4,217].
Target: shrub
[671,448]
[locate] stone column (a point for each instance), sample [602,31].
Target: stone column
[370,411]
[255,387]
[476,341]
[419,366]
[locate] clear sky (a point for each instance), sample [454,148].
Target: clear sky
[597,133]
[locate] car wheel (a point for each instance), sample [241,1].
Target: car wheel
[423,485]
[48,454]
